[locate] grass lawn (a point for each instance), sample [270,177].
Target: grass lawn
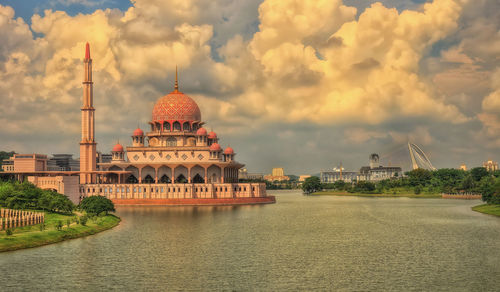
[397,195]
[31,236]
[488,209]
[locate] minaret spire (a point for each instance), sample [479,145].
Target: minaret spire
[87,144]
[87,51]
[176,88]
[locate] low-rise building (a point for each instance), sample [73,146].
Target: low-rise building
[277,174]
[303,177]
[376,172]
[490,165]
[63,162]
[336,174]
[8,164]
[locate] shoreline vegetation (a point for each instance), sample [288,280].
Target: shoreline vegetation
[63,220]
[375,195]
[489,209]
[52,232]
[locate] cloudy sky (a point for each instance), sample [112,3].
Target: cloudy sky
[300,84]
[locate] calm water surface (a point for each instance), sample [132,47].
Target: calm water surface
[300,243]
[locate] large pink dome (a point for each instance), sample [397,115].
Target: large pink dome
[176,106]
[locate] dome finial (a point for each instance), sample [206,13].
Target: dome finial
[176,82]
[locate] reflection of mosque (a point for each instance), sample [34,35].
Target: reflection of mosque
[177,158]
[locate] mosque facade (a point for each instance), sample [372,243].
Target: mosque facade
[176,161]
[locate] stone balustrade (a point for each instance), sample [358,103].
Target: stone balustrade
[10,218]
[175,191]
[462,196]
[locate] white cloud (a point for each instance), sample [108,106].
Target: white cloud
[309,62]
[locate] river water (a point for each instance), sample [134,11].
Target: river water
[299,243]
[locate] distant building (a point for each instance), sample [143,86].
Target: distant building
[336,175]
[277,174]
[278,171]
[490,165]
[28,162]
[63,162]
[463,167]
[303,177]
[104,158]
[245,175]
[376,172]
[8,164]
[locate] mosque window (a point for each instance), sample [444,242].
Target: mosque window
[200,157]
[177,126]
[136,157]
[168,157]
[171,142]
[184,156]
[152,157]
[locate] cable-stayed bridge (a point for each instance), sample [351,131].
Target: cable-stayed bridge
[408,156]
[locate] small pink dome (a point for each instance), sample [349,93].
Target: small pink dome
[229,150]
[212,135]
[215,147]
[117,148]
[138,132]
[201,132]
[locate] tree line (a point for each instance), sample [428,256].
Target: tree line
[477,180]
[25,195]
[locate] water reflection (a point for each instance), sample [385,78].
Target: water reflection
[321,243]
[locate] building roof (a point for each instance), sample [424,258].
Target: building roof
[229,151]
[138,132]
[212,135]
[176,106]
[201,132]
[215,147]
[117,148]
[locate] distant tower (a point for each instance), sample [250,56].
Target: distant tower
[374,160]
[87,144]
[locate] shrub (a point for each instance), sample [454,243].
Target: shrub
[97,204]
[68,222]
[83,220]
[8,232]
[59,225]
[417,190]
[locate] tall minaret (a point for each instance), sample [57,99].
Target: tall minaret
[88,144]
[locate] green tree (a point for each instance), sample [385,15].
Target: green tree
[478,173]
[97,204]
[311,184]
[468,183]
[339,185]
[487,188]
[419,177]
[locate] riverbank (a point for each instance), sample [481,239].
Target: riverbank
[488,209]
[31,236]
[402,195]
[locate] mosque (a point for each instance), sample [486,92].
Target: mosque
[177,162]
